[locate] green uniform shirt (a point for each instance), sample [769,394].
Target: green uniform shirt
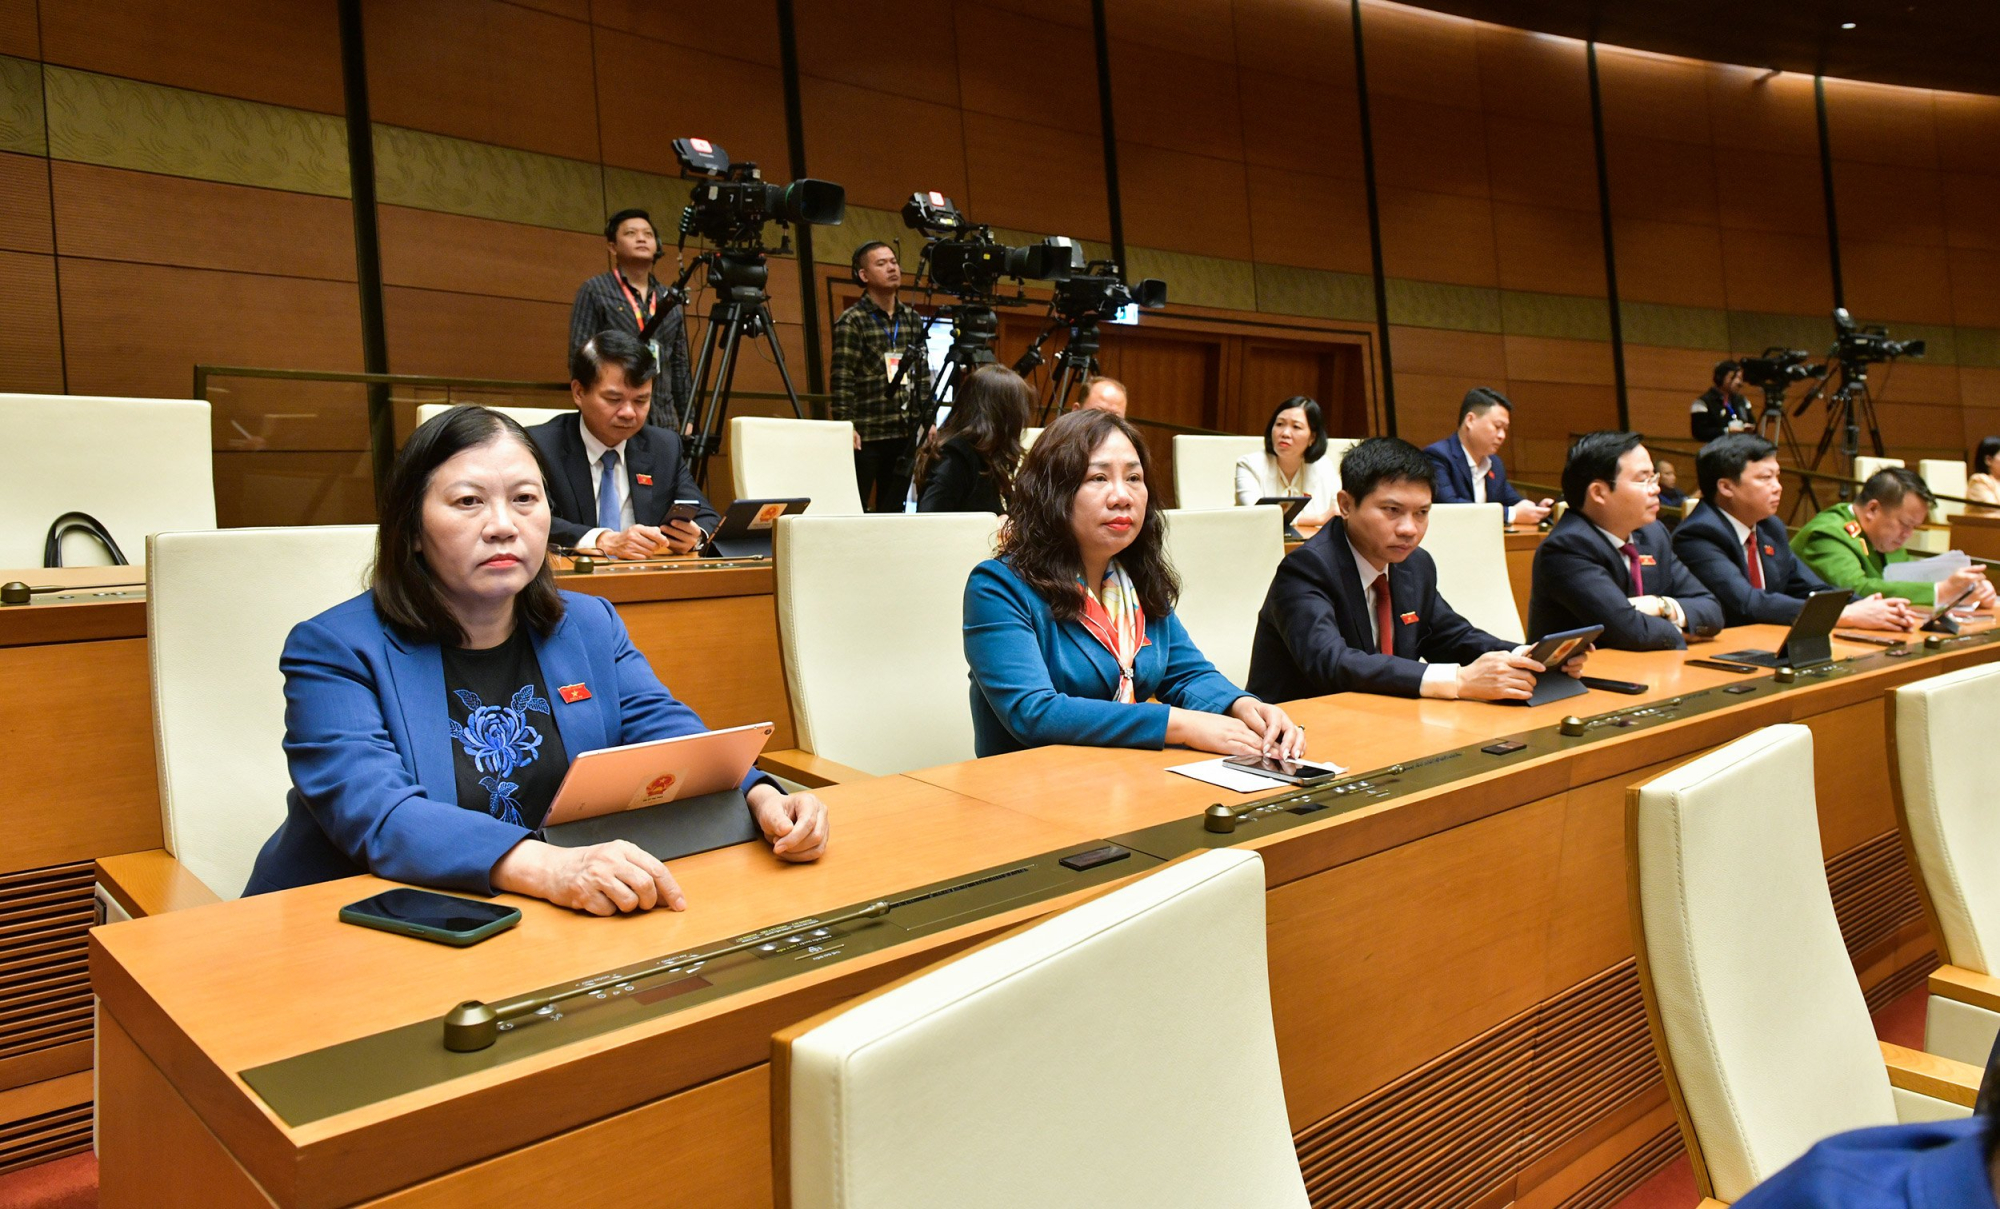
[1833,545]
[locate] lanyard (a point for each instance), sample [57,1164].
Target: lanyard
[895,326]
[640,312]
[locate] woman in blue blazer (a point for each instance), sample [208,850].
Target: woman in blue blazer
[406,763]
[1053,662]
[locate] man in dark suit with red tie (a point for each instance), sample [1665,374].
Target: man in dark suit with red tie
[1608,561]
[1357,607]
[1734,543]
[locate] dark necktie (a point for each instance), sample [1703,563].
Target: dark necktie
[1385,631]
[1631,553]
[608,512]
[1750,557]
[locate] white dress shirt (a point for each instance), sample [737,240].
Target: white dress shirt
[1440,679]
[1479,469]
[593,453]
[1668,607]
[1258,477]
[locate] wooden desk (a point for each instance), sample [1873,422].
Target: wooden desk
[1461,954]
[1521,547]
[1976,534]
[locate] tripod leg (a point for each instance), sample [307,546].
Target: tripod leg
[770,329]
[726,324]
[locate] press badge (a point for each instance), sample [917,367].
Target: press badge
[891,362]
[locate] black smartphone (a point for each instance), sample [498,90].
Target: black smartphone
[444,918]
[1721,666]
[683,510]
[1294,772]
[1614,686]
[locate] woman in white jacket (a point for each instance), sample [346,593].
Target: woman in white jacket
[1294,462]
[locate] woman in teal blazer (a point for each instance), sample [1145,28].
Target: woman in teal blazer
[1052,662]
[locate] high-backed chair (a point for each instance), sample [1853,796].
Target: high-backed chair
[139,466]
[1118,1055]
[1226,559]
[780,459]
[1028,438]
[526,417]
[1205,469]
[1469,546]
[1866,466]
[1756,1016]
[871,630]
[1336,449]
[218,608]
[1938,731]
[1945,476]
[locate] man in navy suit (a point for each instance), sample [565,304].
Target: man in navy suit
[1608,561]
[1468,461]
[613,476]
[1357,607]
[1734,543]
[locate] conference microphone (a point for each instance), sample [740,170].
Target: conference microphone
[473,1026]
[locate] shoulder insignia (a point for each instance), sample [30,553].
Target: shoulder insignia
[1853,528]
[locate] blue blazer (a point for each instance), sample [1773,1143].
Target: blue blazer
[373,785]
[1037,681]
[1707,545]
[1454,476]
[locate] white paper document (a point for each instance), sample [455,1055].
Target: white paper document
[1935,569]
[1221,773]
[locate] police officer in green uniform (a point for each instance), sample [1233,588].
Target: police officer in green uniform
[1854,545]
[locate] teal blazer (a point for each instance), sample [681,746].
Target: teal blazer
[1037,681]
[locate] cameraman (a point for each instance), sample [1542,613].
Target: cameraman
[871,341]
[626,299]
[1722,409]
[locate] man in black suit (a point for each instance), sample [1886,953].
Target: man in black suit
[613,476]
[1734,542]
[1362,577]
[1469,470]
[1608,561]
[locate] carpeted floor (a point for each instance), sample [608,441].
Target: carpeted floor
[69,1183]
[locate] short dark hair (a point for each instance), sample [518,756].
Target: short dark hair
[1380,460]
[1725,368]
[1988,446]
[618,220]
[1891,485]
[616,347]
[1480,400]
[406,592]
[1594,458]
[1315,420]
[861,253]
[1726,456]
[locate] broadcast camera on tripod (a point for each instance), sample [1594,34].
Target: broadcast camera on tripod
[1773,373]
[728,207]
[1852,405]
[1081,302]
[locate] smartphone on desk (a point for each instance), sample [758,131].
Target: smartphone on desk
[1292,772]
[426,915]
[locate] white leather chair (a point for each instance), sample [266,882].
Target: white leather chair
[526,417]
[140,466]
[781,459]
[871,630]
[1028,438]
[1336,449]
[1756,1016]
[1468,544]
[1118,1055]
[1866,466]
[218,608]
[1226,559]
[1945,476]
[1938,731]
[1205,469]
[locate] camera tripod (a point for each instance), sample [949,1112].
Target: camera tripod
[742,309]
[1776,427]
[1849,408]
[1075,364]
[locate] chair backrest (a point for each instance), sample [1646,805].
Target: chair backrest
[1336,449]
[1028,438]
[526,417]
[1205,469]
[1866,466]
[1469,546]
[218,608]
[1940,728]
[1118,1055]
[871,627]
[1226,559]
[1946,476]
[1761,1024]
[780,459]
[140,466]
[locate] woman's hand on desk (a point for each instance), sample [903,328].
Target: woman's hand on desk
[603,879]
[1250,728]
[1277,735]
[795,824]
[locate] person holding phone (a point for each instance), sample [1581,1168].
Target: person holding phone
[429,720]
[1070,633]
[1357,608]
[615,479]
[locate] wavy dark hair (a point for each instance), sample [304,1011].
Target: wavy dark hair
[988,410]
[1315,423]
[406,591]
[1038,542]
[1988,446]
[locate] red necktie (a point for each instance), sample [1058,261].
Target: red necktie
[1385,632]
[1756,567]
[1631,553]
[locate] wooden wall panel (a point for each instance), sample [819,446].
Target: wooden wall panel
[1310,220]
[848,128]
[1034,178]
[730,97]
[476,336]
[286,52]
[141,217]
[1054,84]
[434,251]
[740,31]
[30,336]
[24,205]
[1184,203]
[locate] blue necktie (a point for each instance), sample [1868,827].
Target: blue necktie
[607,494]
